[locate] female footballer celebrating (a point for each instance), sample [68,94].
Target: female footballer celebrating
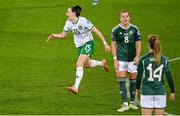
[126,47]
[153,65]
[84,42]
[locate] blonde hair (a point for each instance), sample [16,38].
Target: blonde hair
[154,44]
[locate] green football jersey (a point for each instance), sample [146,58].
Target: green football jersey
[152,73]
[125,40]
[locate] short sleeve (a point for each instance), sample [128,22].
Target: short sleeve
[67,26]
[113,35]
[88,24]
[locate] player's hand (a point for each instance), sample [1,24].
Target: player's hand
[50,37]
[107,48]
[136,60]
[116,64]
[172,97]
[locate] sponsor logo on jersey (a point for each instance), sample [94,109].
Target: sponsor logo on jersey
[130,32]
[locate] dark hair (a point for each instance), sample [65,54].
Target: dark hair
[123,11]
[77,9]
[154,44]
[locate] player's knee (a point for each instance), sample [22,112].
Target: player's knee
[87,64]
[79,64]
[120,74]
[132,76]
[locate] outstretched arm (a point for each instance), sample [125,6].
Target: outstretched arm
[59,35]
[99,34]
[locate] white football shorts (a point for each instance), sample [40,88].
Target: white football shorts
[127,66]
[153,101]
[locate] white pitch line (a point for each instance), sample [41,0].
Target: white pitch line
[174,59]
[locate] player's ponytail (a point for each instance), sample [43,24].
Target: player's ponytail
[77,9]
[154,44]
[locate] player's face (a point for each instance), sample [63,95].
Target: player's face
[124,18]
[70,14]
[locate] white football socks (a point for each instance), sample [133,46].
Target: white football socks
[79,75]
[125,103]
[95,63]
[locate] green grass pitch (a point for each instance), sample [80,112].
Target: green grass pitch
[34,74]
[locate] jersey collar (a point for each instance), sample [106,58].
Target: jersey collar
[125,28]
[76,21]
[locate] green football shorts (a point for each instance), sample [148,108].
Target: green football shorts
[87,48]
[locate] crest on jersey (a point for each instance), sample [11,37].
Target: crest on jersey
[80,27]
[120,33]
[130,32]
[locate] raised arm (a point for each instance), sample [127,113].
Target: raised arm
[59,35]
[99,34]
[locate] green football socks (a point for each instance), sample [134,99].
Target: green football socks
[123,89]
[132,89]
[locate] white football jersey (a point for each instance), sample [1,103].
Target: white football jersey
[81,29]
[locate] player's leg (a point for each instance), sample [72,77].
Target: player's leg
[147,111]
[121,74]
[132,71]
[79,69]
[84,52]
[147,104]
[159,112]
[89,49]
[94,63]
[132,90]
[160,104]
[82,59]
